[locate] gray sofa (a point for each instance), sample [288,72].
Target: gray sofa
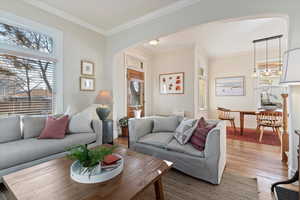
[20,148]
[207,165]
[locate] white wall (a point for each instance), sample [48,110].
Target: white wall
[180,60]
[120,84]
[239,65]
[78,43]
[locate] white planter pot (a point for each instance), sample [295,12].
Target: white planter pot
[137,113]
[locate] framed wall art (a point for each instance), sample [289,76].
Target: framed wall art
[171,83]
[87,84]
[230,86]
[87,68]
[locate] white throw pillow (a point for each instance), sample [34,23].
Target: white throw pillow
[81,122]
[185,130]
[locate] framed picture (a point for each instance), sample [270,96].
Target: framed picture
[172,83]
[87,84]
[87,68]
[230,86]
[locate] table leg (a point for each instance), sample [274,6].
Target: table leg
[242,119]
[159,190]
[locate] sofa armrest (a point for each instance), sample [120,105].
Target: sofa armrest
[138,128]
[97,127]
[215,150]
[216,141]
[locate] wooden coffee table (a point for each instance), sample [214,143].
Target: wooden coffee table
[51,180]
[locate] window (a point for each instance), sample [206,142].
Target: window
[20,37]
[28,75]
[202,89]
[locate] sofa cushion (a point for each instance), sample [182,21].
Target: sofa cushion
[185,130]
[33,126]
[165,124]
[22,151]
[157,139]
[199,136]
[186,149]
[10,129]
[81,122]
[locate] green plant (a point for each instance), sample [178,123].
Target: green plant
[89,158]
[123,121]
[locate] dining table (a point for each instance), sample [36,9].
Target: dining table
[242,117]
[248,112]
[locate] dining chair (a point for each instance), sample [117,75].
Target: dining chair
[225,114]
[270,119]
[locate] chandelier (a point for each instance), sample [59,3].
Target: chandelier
[267,71]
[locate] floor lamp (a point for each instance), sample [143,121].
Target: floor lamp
[290,76]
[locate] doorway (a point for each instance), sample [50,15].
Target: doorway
[135,94]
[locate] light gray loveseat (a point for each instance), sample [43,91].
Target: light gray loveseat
[207,165]
[20,148]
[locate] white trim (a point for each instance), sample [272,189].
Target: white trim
[57,54]
[65,15]
[153,15]
[148,17]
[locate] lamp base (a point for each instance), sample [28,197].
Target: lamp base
[103,112]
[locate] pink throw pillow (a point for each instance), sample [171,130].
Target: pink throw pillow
[55,128]
[199,136]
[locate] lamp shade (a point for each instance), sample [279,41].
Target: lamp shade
[291,67]
[104,97]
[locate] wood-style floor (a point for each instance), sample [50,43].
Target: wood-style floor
[251,160]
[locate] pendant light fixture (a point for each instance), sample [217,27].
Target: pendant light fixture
[267,71]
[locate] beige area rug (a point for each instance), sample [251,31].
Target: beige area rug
[178,186]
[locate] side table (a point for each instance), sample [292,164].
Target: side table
[108,132]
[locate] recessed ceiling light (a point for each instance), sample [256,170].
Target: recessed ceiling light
[154,42]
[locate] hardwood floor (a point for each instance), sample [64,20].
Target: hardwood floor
[251,160]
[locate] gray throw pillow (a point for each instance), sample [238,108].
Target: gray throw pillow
[185,130]
[81,123]
[165,124]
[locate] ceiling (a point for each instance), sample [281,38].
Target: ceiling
[225,38]
[107,16]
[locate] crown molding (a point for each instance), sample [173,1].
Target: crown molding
[65,16]
[153,15]
[148,17]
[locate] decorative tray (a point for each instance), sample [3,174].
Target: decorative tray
[101,175]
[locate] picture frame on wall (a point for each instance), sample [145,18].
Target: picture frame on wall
[87,68]
[87,84]
[171,83]
[230,86]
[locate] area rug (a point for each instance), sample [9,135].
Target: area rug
[250,135]
[178,186]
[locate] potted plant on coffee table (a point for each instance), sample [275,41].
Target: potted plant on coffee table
[88,161]
[124,126]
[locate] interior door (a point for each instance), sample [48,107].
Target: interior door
[135,91]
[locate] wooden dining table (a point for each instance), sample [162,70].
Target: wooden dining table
[247,112]
[242,117]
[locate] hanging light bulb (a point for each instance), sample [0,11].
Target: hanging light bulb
[254,74]
[267,72]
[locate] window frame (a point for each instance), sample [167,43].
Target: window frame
[202,77]
[56,56]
